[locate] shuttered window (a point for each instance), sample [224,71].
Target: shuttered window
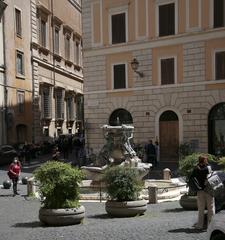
[43,33]
[18,22]
[119,28]
[56,40]
[220,65]
[119,76]
[20,101]
[167,19]
[46,103]
[59,104]
[67,46]
[219,13]
[167,71]
[19,63]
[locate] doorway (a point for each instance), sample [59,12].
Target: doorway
[169,136]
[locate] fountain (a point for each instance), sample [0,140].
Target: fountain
[116,151]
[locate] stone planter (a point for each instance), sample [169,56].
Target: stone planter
[126,209]
[188,202]
[61,217]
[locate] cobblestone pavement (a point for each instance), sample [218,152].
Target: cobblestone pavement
[164,221]
[19,219]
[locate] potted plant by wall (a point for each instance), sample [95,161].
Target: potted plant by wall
[123,187]
[186,165]
[59,191]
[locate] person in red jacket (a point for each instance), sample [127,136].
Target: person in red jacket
[14,173]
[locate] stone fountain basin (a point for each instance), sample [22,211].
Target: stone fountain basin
[96,174]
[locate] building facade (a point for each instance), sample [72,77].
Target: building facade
[18,78]
[56,68]
[159,65]
[3,5]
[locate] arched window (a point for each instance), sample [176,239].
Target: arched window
[216,125]
[168,116]
[120,116]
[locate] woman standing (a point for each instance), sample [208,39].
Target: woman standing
[14,173]
[204,200]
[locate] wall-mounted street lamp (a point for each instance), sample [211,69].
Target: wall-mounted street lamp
[135,66]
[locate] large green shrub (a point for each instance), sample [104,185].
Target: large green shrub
[221,162]
[123,183]
[187,164]
[59,184]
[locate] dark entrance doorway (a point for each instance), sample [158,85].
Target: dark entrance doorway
[21,130]
[216,125]
[169,136]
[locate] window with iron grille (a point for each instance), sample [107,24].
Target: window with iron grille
[18,22]
[70,108]
[219,13]
[167,19]
[119,76]
[167,71]
[67,46]
[220,65]
[118,22]
[21,101]
[80,108]
[19,62]
[59,104]
[46,102]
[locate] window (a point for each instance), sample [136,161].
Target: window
[59,104]
[19,63]
[46,102]
[80,108]
[119,76]
[70,108]
[67,46]
[219,13]
[18,22]
[118,26]
[20,101]
[220,65]
[43,33]
[120,116]
[56,40]
[167,19]
[77,53]
[167,71]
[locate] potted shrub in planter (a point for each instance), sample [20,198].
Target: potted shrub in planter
[186,165]
[123,187]
[59,191]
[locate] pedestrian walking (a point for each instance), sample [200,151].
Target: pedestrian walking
[14,173]
[204,199]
